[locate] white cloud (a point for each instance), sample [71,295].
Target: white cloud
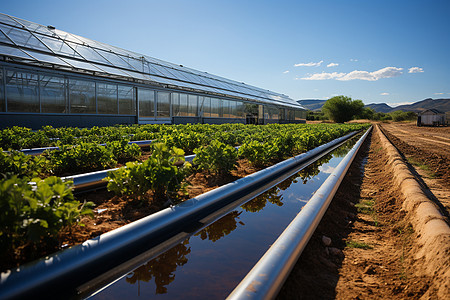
[415,70]
[310,64]
[384,94]
[332,65]
[439,93]
[399,103]
[327,169]
[285,72]
[387,72]
[352,59]
[323,76]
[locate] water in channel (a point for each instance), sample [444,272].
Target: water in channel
[212,262]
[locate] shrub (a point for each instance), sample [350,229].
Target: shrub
[20,164]
[80,158]
[36,214]
[217,158]
[163,173]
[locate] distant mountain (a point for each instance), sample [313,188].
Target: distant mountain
[379,107]
[439,104]
[312,104]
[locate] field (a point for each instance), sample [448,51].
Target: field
[42,217]
[376,249]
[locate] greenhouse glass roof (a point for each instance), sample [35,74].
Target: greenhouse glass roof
[32,43]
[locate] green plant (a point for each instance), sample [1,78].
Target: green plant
[257,153]
[80,158]
[356,244]
[216,158]
[163,173]
[122,151]
[20,164]
[36,213]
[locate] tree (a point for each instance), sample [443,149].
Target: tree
[342,109]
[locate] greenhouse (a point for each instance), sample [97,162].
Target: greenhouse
[51,77]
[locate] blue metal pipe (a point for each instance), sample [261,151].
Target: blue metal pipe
[37,151]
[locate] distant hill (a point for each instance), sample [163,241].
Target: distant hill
[439,104]
[379,107]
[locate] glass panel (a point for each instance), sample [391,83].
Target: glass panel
[160,71]
[127,103]
[215,107]
[53,94]
[8,20]
[207,107]
[5,39]
[88,53]
[136,63]
[23,38]
[82,96]
[48,58]
[192,106]
[183,105]
[10,51]
[2,92]
[163,105]
[226,108]
[67,36]
[233,109]
[113,71]
[22,92]
[175,104]
[240,109]
[58,46]
[33,26]
[107,98]
[146,99]
[115,59]
[82,65]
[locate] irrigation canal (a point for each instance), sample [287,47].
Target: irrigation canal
[212,261]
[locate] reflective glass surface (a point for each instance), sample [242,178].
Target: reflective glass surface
[107,98]
[192,111]
[9,51]
[23,38]
[22,92]
[82,96]
[53,94]
[175,104]
[163,104]
[215,107]
[127,102]
[2,93]
[183,108]
[146,98]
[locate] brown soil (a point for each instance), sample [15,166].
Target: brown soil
[373,245]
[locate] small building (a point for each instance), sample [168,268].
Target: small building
[431,117]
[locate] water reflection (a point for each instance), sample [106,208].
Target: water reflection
[221,228]
[258,203]
[162,268]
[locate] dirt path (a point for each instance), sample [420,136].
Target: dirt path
[373,250]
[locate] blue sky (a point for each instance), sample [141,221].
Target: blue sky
[395,51]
